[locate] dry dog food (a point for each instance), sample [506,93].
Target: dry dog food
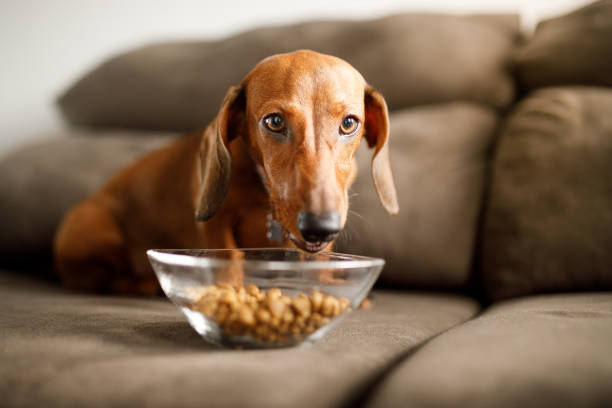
[268,316]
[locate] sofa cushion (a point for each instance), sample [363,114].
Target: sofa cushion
[548,225]
[40,182]
[572,49]
[439,155]
[411,58]
[66,349]
[543,351]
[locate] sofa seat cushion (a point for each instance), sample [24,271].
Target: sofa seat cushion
[69,349]
[548,350]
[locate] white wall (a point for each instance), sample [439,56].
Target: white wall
[46,44]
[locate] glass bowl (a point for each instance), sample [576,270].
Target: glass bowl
[260,298]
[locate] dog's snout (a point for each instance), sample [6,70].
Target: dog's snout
[318,228]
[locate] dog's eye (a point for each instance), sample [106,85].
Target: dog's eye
[349,125]
[274,123]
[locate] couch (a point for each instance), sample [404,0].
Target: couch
[496,290]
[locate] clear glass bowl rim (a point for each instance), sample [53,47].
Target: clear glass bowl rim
[176,257]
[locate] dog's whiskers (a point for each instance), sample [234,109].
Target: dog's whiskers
[356,214]
[345,236]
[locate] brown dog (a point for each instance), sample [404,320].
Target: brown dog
[282,145]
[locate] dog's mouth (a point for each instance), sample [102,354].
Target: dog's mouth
[307,246]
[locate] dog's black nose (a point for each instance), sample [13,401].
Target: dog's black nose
[318,228]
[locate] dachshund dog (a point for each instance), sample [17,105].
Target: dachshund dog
[281,148]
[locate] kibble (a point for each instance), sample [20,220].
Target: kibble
[330,306]
[246,316]
[302,305]
[270,317]
[317,301]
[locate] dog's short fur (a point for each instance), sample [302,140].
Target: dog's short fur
[216,189]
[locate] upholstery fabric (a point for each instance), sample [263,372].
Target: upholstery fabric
[412,58]
[548,223]
[541,351]
[65,349]
[439,155]
[569,50]
[41,181]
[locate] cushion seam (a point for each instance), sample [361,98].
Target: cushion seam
[364,392]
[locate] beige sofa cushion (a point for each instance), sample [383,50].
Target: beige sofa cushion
[548,225]
[545,351]
[65,349]
[41,181]
[572,49]
[412,58]
[439,156]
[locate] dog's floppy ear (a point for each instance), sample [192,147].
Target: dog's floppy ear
[215,160]
[377,135]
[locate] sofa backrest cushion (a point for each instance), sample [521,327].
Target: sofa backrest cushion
[572,49]
[439,155]
[548,222]
[40,182]
[412,58]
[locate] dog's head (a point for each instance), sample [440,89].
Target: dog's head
[303,115]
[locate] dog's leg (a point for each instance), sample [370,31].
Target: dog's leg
[327,275]
[89,249]
[219,236]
